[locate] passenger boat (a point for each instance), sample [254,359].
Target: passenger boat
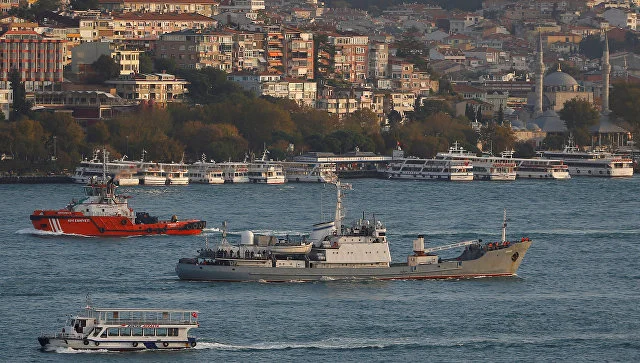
[89,168]
[103,213]
[592,163]
[203,172]
[176,174]
[360,251]
[430,169]
[541,168]
[235,172]
[114,329]
[486,167]
[152,174]
[303,172]
[265,171]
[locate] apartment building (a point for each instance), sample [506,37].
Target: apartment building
[40,60]
[378,60]
[275,85]
[197,49]
[203,7]
[159,88]
[152,25]
[351,56]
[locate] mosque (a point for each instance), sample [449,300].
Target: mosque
[556,88]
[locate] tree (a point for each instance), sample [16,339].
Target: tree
[21,107]
[104,68]
[146,63]
[579,115]
[624,103]
[500,116]
[84,4]
[165,65]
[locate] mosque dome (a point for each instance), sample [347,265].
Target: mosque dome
[559,79]
[549,121]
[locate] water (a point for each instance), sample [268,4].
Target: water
[576,297]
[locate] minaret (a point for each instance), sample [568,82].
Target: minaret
[606,70]
[539,84]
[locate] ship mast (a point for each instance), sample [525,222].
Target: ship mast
[338,217]
[504,226]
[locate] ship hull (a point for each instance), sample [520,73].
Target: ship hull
[502,262]
[113,345]
[64,221]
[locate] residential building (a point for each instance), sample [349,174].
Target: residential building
[40,60]
[83,55]
[269,84]
[378,60]
[351,56]
[242,6]
[203,7]
[152,25]
[197,49]
[159,88]
[6,99]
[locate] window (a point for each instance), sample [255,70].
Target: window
[114,332]
[125,332]
[136,332]
[161,332]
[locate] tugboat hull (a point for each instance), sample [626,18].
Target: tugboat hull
[64,221]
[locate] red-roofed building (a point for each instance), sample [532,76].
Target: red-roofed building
[39,60]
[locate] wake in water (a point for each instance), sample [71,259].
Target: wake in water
[37,232]
[328,344]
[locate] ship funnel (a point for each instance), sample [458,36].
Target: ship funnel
[418,244]
[246,238]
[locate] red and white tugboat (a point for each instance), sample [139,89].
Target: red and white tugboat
[103,213]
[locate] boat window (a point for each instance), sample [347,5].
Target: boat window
[96,332]
[114,332]
[161,332]
[125,332]
[104,334]
[136,332]
[173,332]
[149,332]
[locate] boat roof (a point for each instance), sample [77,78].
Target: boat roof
[146,310]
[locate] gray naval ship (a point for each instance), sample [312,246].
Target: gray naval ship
[337,252]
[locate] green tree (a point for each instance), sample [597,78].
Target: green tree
[579,115]
[21,107]
[84,4]
[497,138]
[624,103]
[146,63]
[104,68]
[165,65]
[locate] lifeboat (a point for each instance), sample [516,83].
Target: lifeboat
[103,213]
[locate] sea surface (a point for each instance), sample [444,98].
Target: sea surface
[576,296]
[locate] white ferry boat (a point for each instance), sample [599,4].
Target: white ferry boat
[430,169]
[152,174]
[125,330]
[540,168]
[266,171]
[592,163]
[310,172]
[235,172]
[203,172]
[176,173]
[93,168]
[485,167]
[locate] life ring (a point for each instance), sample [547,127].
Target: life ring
[85,342]
[96,343]
[165,344]
[193,344]
[123,222]
[135,344]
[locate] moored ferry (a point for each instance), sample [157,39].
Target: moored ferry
[539,168]
[235,172]
[176,174]
[304,172]
[592,163]
[266,171]
[125,330]
[486,167]
[430,169]
[203,172]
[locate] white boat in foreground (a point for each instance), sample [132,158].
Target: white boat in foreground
[125,329]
